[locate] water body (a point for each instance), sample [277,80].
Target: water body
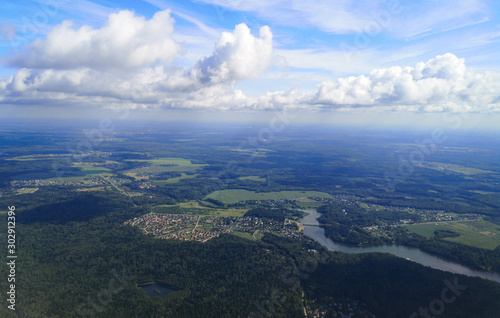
[318,234]
[155,290]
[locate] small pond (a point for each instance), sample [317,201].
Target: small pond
[155,290]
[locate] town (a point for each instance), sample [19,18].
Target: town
[203,228]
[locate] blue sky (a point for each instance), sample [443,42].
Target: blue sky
[336,60]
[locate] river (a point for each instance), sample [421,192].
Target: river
[318,234]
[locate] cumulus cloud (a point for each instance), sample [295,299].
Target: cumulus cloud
[441,83]
[125,41]
[127,62]
[238,55]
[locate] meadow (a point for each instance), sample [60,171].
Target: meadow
[232,196]
[173,180]
[194,207]
[482,234]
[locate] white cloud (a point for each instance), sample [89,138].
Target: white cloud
[237,56]
[442,83]
[128,62]
[125,41]
[141,75]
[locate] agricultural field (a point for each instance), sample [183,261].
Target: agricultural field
[27,190]
[82,176]
[165,161]
[161,168]
[482,234]
[306,203]
[164,165]
[253,178]
[455,168]
[173,180]
[92,189]
[249,236]
[84,167]
[193,207]
[237,195]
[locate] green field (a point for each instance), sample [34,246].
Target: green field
[455,168]
[159,169]
[27,190]
[253,178]
[193,207]
[82,176]
[173,180]
[90,168]
[166,161]
[238,195]
[248,236]
[482,234]
[166,165]
[309,205]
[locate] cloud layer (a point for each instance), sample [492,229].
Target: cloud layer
[128,63]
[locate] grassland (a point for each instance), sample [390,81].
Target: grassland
[253,178]
[159,169]
[308,204]
[92,189]
[174,180]
[165,165]
[237,195]
[482,234]
[27,190]
[194,207]
[455,168]
[91,168]
[248,236]
[168,161]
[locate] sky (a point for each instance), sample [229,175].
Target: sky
[366,62]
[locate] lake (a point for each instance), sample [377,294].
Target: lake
[155,290]
[318,234]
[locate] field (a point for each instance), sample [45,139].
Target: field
[82,176]
[91,189]
[165,165]
[253,178]
[482,234]
[248,236]
[165,161]
[455,168]
[173,180]
[26,190]
[159,169]
[193,207]
[85,167]
[237,195]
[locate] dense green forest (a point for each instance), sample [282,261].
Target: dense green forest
[65,269]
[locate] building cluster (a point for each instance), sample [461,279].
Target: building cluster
[40,183]
[203,228]
[422,216]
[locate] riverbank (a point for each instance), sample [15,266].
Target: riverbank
[414,254]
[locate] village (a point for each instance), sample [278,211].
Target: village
[203,228]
